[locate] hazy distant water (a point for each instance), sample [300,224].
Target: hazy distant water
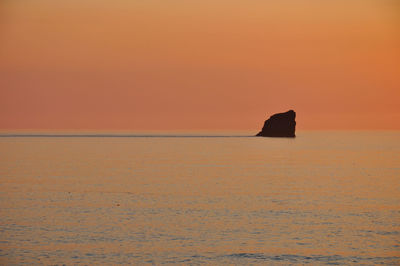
[322,198]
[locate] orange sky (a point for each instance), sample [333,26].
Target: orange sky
[190,65]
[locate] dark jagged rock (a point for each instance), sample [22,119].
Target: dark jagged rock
[280,125]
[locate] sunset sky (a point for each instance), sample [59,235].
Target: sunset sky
[198,65]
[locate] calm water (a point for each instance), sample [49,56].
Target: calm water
[322,198]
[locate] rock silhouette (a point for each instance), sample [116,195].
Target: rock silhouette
[280,125]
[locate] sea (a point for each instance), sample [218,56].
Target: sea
[322,198]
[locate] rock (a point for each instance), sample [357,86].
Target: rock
[280,125]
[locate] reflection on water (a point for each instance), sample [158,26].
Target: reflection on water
[322,198]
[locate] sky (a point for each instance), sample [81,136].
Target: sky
[198,65]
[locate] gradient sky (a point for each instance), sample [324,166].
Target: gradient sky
[190,65]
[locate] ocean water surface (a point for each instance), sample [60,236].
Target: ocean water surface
[321,198]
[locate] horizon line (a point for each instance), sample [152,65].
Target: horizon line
[118,136]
